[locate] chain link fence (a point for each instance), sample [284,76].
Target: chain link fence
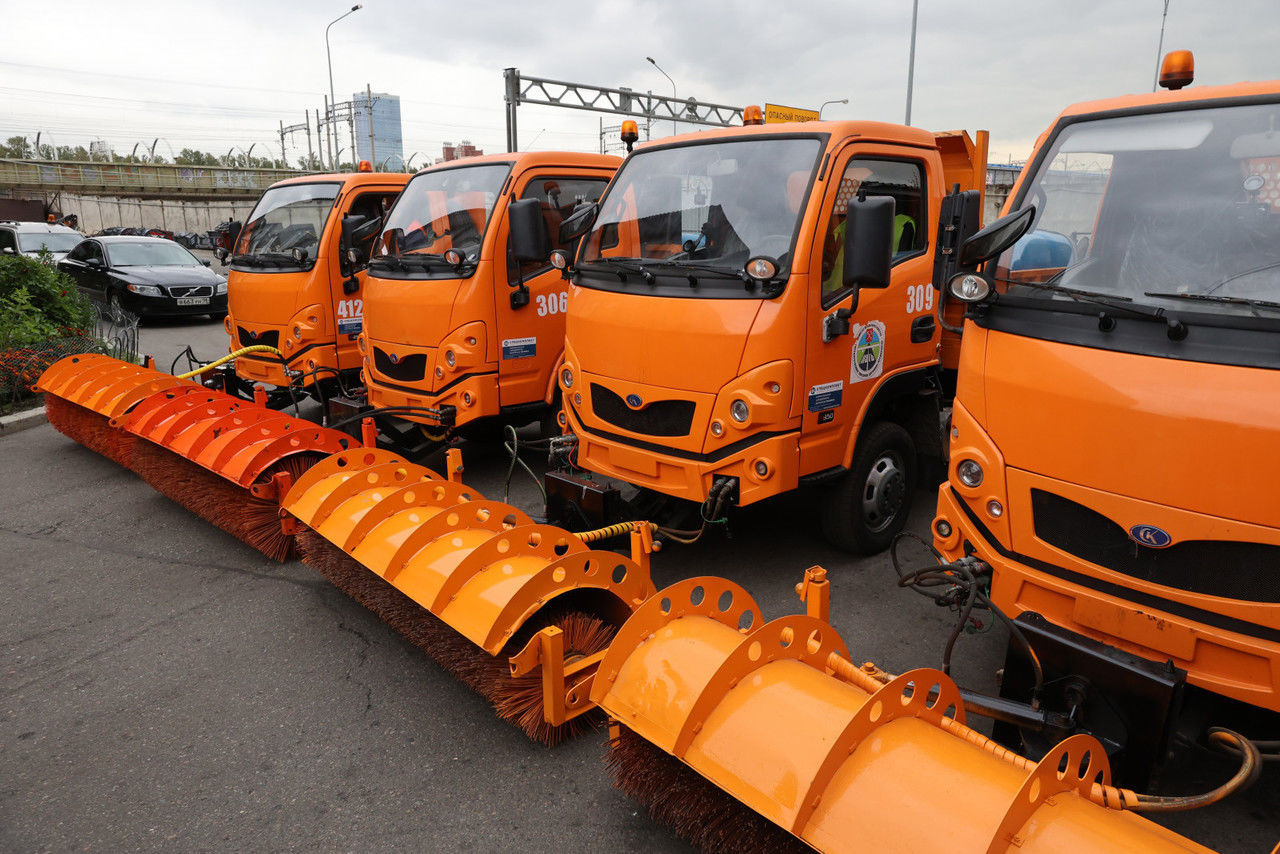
[114,333]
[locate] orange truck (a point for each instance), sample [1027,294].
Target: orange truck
[731,336]
[297,282]
[463,328]
[1115,426]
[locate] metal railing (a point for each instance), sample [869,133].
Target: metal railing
[134,179]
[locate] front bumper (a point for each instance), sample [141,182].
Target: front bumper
[470,397]
[168,306]
[1227,656]
[687,475]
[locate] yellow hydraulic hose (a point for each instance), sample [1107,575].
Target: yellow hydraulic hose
[612,531]
[870,678]
[256,348]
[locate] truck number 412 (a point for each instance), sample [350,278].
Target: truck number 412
[350,309]
[553,303]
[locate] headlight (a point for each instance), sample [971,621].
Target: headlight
[739,411]
[970,473]
[449,358]
[968,287]
[220,288]
[566,377]
[146,290]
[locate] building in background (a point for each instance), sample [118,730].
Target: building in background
[457,152]
[388,138]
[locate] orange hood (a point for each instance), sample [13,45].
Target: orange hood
[1201,437]
[685,344]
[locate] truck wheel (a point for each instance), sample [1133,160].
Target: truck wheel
[867,507]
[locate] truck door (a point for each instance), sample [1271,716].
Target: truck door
[891,328]
[348,301]
[531,337]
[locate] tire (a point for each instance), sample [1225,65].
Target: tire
[869,505]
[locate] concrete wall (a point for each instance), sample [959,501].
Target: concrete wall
[98,212]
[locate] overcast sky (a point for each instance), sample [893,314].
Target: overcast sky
[213,75]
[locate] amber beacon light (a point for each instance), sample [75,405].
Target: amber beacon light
[1178,69]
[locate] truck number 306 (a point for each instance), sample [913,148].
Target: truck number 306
[919,298]
[553,303]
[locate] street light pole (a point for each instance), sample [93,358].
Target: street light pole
[836,101]
[911,63]
[674,129]
[329,56]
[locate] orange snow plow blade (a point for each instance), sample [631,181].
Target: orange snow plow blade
[777,718]
[519,611]
[83,393]
[227,460]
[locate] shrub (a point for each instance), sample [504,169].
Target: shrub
[37,302]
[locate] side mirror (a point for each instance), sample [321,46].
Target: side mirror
[222,255]
[868,242]
[578,223]
[528,230]
[357,228]
[92,262]
[995,238]
[207,263]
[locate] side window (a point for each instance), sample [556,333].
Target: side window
[559,196]
[7,240]
[92,250]
[370,206]
[903,180]
[79,251]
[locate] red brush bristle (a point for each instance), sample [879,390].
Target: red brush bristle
[215,499]
[518,700]
[89,428]
[693,807]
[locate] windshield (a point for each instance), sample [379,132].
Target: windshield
[164,254]
[1179,211]
[54,242]
[438,211]
[287,218]
[713,205]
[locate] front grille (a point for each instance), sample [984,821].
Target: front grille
[405,368]
[1247,572]
[248,339]
[660,418]
[190,291]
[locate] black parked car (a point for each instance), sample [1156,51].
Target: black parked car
[149,276]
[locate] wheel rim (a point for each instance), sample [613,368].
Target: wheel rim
[885,492]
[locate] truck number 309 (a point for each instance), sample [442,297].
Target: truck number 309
[919,298]
[553,303]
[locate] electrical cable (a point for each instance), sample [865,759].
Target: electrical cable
[963,590]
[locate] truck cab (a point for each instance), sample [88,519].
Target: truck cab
[458,328]
[297,279]
[1114,432]
[717,352]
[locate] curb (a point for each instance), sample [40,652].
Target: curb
[19,421]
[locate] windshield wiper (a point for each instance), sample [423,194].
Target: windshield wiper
[1253,304]
[620,267]
[696,269]
[1115,301]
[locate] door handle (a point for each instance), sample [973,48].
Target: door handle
[922,329]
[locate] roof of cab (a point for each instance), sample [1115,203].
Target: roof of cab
[527,159]
[349,179]
[839,130]
[1258,89]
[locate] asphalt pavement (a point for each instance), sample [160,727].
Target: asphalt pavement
[167,687]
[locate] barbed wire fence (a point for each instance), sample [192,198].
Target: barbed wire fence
[114,333]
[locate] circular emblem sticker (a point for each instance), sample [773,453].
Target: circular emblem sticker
[868,351]
[634,401]
[1150,536]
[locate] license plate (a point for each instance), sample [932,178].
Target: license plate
[193,300]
